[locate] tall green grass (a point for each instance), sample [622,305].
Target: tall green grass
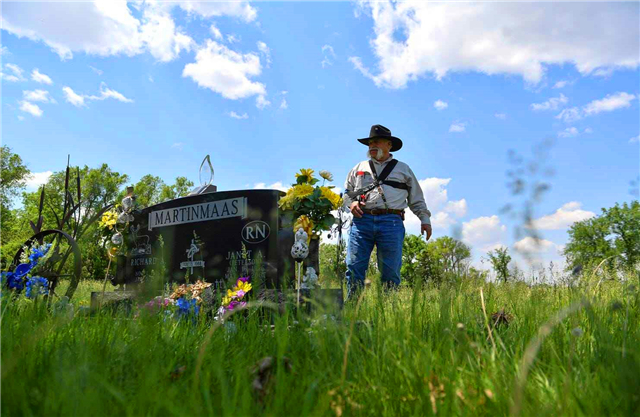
[423,351]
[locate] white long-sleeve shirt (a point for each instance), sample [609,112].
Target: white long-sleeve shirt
[397,198]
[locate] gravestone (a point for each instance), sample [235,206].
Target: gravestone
[202,237]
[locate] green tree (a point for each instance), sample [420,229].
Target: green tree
[453,255]
[180,188]
[412,247]
[13,231]
[148,190]
[13,176]
[614,236]
[500,259]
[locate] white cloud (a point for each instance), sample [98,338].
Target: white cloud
[41,78]
[36,179]
[178,145]
[570,115]
[262,102]
[588,130]
[16,73]
[38,95]
[73,98]
[232,38]
[21,118]
[634,139]
[241,9]
[444,212]
[150,78]
[264,49]
[79,100]
[30,108]
[226,72]
[568,132]
[283,104]
[564,217]
[561,84]
[609,103]
[275,186]
[484,233]
[4,51]
[457,127]
[534,246]
[552,104]
[440,105]
[161,37]
[106,93]
[500,116]
[235,115]
[96,70]
[215,32]
[109,28]
[420,39]
[328,54]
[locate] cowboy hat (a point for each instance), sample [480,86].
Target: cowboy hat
[379,131]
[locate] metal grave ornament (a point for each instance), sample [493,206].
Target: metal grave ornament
[206,178]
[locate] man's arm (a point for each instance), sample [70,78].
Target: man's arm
[349,185]
[417,204]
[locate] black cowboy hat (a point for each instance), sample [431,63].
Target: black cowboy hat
[379,131]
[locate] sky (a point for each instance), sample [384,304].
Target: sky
[267,88]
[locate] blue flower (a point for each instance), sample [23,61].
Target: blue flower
[37,253]
[22,270]
[37,286]
[186,307]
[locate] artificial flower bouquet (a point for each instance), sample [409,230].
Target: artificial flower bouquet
[25,275]
[311,204]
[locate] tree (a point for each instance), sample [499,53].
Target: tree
[181,188]
[452,253]
[412,247]
[613,236]
[500,259]
[13,176]
[148,190]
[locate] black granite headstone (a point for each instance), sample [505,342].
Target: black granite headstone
[202,237]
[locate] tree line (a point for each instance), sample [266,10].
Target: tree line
[611,238]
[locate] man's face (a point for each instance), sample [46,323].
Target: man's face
[379,148]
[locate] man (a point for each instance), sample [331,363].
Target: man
[377,199]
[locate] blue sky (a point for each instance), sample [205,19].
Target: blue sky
[267,88]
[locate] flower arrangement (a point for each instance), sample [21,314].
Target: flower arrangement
[25,274]
[311,204]
[114,223]
[235,297]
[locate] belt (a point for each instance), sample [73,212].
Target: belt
[376,212]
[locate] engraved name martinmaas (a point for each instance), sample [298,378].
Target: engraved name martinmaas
[215,210]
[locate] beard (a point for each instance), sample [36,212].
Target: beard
[375,153]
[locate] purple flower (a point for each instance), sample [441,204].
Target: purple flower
[240,293]
[235,304]
[244,279]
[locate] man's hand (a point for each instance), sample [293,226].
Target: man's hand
[356,210]
[425,228]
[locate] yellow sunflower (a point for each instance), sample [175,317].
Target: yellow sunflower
[307,173]
[334,198]
[302,190]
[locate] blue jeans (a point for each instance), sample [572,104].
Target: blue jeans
[386,231]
